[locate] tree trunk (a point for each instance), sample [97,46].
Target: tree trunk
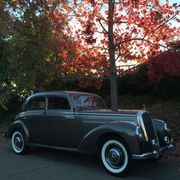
[111,48]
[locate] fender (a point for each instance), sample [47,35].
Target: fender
[18,124]
[125,130]
[159,124]
[161,128]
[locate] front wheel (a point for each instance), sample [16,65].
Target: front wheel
[115,157]
[18,142]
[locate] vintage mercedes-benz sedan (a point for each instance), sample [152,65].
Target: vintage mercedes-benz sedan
[80,122]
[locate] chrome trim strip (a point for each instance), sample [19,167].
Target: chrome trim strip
[145,155]
[153,154]
[106,114]
[94,122]
[127,122]
[109,122]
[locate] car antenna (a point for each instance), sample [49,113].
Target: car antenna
[144,107]
[63,86]
[69,96]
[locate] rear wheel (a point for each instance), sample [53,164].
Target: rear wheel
[115,156]
[18,142]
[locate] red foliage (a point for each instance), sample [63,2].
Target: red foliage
[165,63]
[140,31]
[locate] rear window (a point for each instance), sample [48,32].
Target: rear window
[58,103]
[88,101]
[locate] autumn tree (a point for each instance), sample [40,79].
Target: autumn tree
[28,57]
[122,30]
[33,55]
[76,60]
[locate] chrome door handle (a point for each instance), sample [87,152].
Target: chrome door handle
[69,116]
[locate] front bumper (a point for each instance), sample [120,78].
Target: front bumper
[154,154]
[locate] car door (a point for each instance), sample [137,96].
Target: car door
[34,119]
[62,126]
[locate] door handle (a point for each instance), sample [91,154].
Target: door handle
[69,116]
[24,117]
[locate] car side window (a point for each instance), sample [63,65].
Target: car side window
[58,103]
[37,104]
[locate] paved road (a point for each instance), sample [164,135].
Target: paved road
[44,164]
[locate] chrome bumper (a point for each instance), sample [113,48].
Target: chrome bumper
[153,154]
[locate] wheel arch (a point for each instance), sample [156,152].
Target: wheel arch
[109,135]
[124,131]
[18,125]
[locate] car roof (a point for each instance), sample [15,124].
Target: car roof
[56,93]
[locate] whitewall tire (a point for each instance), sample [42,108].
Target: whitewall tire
[18,142]
[115,157]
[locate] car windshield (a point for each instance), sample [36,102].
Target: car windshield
[88,101]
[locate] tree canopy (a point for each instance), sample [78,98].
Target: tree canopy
[46,40]
[122,31]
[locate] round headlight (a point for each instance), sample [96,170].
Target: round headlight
[139,132]
[166,127]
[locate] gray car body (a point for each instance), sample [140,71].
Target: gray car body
[79,130]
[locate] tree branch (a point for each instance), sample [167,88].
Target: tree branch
[119,53]
[152,43]
[103,26]
[139,39]
[120,22]
[164,23]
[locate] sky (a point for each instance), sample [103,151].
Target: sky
[173,1]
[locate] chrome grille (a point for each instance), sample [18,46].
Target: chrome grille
[149,126]
[146,123]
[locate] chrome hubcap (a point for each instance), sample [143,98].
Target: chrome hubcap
[18,142]
[114,157]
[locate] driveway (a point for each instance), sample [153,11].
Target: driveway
[45,164]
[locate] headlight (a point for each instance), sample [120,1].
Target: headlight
[139,133]
[166,127]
